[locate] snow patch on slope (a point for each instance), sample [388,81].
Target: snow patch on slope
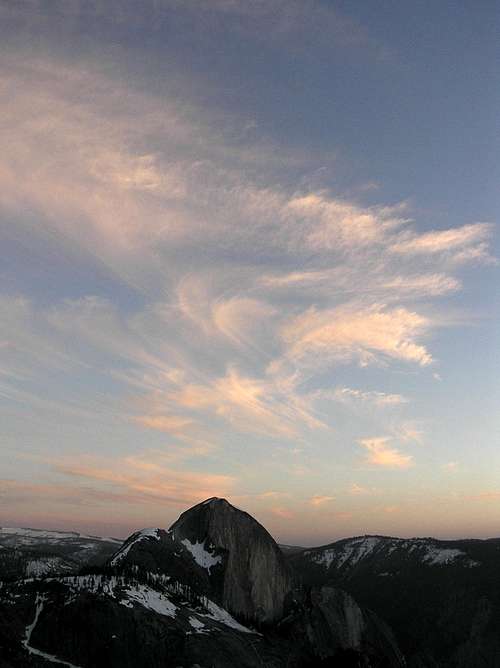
[436,555]
[223,616]
[126,594]
[351,553]
[202,557]
[197,625]
[430,552]
[150,599]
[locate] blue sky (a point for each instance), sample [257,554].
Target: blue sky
[249,250]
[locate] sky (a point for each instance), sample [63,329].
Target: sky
[249,250]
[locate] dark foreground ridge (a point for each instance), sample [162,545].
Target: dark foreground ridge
[216,591]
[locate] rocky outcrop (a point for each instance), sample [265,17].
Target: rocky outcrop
[248,572]
[335,623]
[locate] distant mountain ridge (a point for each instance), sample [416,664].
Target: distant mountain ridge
[26,552]
[27,533]
[441,597]
[349,552]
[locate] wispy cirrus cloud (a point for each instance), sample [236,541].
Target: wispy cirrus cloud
[386,284]
[149,477]
[249,404]
[253,288]
[122,191]
[241,319]
[167,423]
[467,242]
[365,335]
[271,494]
[341,225]
[349,395]
[424,285]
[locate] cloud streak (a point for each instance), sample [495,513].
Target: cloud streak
[348,395]
[148,477]
[380,454]
[320,500]
[462,243]
[366,335]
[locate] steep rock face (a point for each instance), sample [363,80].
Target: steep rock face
[334,623]
[248,571]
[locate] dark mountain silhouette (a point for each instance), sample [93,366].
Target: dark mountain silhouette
[213,591]
[216,590]
[441,598]
[246,566]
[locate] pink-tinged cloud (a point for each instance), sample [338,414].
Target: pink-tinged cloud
[431,285]
[240,319]
[149,477]
[366,335]
[390,510]
[380,454]
[167,423]
[319,500]
[283,513]
[249,404]
[486,496]
[349,395]
[385,284]
[274,495]
[463,243]
[359,490]
[340,224]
